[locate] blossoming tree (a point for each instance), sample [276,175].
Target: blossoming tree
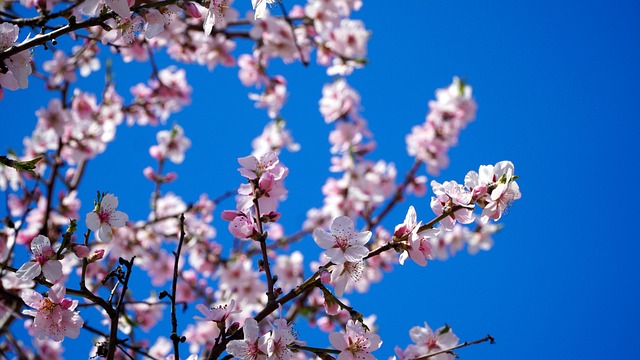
[60,268]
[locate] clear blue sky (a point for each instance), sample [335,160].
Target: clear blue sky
[557,88]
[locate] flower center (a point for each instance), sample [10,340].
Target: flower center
[342,242]
[103,216]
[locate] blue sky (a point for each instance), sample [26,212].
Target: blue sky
[556,84]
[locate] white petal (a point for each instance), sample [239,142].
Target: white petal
[342,226]
[118,219]
[29,270]
[93,221]
[336,255]
[109,203]
[356,253]
[251,329]
[361,238]
[248,162]
[52,270]
[38,243]
[105,233]
[323,239]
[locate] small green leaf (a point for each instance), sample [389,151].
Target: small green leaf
[444,330]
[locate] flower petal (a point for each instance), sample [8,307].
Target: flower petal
[52,270]
[342,226]
[93,221]
[356,253]
[323,239]
[109,203]
[118,219]
[29,270]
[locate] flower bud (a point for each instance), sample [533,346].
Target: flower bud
[97,255]
[81,251]
[325,277]
[191,9]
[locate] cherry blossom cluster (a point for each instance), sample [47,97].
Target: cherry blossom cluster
[452,110]
[16,69]
[257,200]
[238,288]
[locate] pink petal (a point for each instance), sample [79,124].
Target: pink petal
[57,292]
[32,299]
[337,341]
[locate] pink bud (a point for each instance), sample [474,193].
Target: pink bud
[81,251]
[272,216]
[331,307]
[131,2]
[479,191]
[170,177]
[325,277]
[69,174]
[149,173]
[97,255]
[191,9]
[66,303]
[267,182]
[156,153]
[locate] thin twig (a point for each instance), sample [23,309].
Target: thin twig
[174,318]
[464,344]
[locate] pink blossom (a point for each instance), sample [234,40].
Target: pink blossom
[453,109]
[105,218]
[252,347]
[273,97]
[44,261]
[253,167]
[427,341]
[339,100]
[418,245]
[60,68]
[346,274]
[242,225]
[54,315]
[171,144]
[219,313]
[343,244]
[274,137]
[354,343]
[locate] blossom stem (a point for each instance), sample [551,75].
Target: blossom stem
[174,318]
[464,344]
[285,14]
[271,295]
[397,196]
[316,350]
[115,315]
